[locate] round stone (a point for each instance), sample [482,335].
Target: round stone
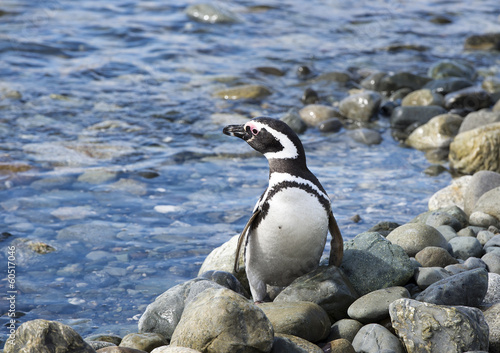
[413,237]
[433,256]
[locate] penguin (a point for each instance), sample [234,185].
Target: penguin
[286,234]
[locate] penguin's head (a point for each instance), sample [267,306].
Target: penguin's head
[271,137]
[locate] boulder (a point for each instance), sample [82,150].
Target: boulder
[361,106]
[436,133]
[479,183]
[413,237]
[373,338]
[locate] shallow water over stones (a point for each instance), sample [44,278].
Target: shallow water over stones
[111,150]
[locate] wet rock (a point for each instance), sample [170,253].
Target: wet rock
[384,228]
[470,98]
[436,133]
[480,118]
[374,82]
[374,306]
[244,92]
[143,341]
[302,319]
[208,324]
[314,114]
[451,195]
[492,318]
[292,118]
[365,136]
[361,106]
[480,183]
[492,261]
[270,70]
[42,336]
[330,125]
[403,117]
[340,345]
[477,149]
[96,345]
[466,288]
[423,97]
[344,329]
[170,349]
[488,41]
[413,237]
[309,96]
[465,247]
[77,212]
[448,84]
[375,338]
[372,262]
[210,13]
[292,344]
[130,186]
[114,339]
[399,80]
[433,256]
[425,276]
[425,327]
[326,286]
[493,294]
[451,68]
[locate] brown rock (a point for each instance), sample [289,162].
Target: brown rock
[433,256]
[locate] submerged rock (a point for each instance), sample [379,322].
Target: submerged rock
[244,92]
[487,41]
[210,13]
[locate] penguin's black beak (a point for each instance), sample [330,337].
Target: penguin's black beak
[236,130]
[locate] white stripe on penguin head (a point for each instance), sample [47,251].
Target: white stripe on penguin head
[289,149]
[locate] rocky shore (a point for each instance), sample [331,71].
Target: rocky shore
[431,285]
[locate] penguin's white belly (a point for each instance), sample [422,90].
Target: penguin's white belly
[290,240]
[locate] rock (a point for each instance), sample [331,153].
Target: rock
[130,186]
[374,82]
[384,228]
[119,350]
[96,345]
[292,118]
[436,133]
[433,256]
[326,286]
[210,13]
[314,114]
[484,236]
[451,68]
[491,84]
[493,294]
[375,338]
[42,336]
[302,319]
[489,202]
[399,80]
[361,106]
[114,339]
[466,288]
[487,41]
[470,99]
[477,119]
[344,329]
[97,176]
[208,324]
[425,327]
[403,117]
[492,261]
[425,276]
[225,279]
[143,341]
[371,262]
[465,247]
[482,219]
[492,318]
[423,97]
[270,70]
[496,107]
[170,349]
[243,92]
[448,84]
[451,216]
[413,237]
[365,136]
[340,345]
[477,149]
[309,96]
[291,344]
[470,264]
[374,306]
[330,125]
[493,245]
[452,195]
[481,182]
[447,232]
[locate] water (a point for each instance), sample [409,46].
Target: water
[111,149]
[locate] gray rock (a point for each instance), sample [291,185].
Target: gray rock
[492,261]
[345,328]
[470,98]
[492,318]
[403,117]
[361,106]
[425,276]
[208,324]
[372,262]
[292,344]
[227,280]
[314,114]
[210,13]
[481,182]
[374,338]
[292,118]
[452,216]
[489,202]
[448,84]
[438,132]
[451,195]
[330,125]
[486,41]
[466,288]
[96,345]
[399,80]
[374,307]
[384,228]
[478,119]
[466,232]
[143,341]
[465,247]
[470,264]
[302,319]
[433,256]
[365,136]
[493,294]
[447,232]
[493,245]
[104,338]
[452,68]
[484,236]
[413,237]
[170,349]
[482,219]
[340,345]
[326,286]
[425,327]
[423,97]
[243,92]
[42,336]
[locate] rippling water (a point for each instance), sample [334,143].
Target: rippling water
[111,150]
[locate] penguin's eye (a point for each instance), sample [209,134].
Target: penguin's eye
[253,130]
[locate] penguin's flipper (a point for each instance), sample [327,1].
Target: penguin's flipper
[337,243]
[242,238]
